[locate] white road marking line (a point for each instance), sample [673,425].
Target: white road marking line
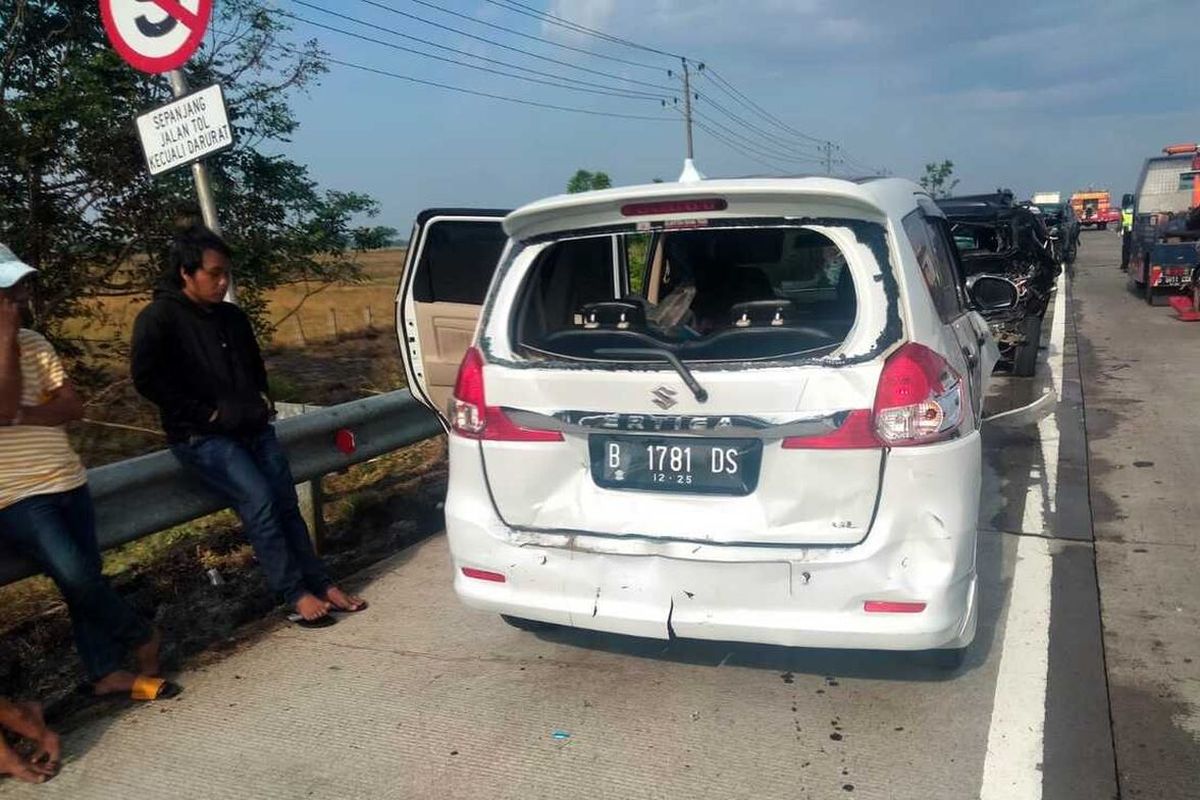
[1011,768]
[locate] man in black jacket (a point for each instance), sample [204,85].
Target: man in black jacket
[196,358]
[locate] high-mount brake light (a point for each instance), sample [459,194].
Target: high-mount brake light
[659,207]
[472,417]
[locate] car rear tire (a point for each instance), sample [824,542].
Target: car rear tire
[1025,356]
[948,660]
[1103,226]
[531,625]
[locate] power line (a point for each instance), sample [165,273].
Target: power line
[760,149]
[546,16]
[734,146]
[741,97]
[477,93]
[557,80]
[774,139]
[494,43]
[729,89]
[541,39]
[462,90]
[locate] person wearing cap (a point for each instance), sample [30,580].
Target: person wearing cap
[46,510]
[195,357]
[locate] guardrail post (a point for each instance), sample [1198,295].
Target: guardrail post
[312,499]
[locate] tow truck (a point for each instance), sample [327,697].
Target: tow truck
[1164,246]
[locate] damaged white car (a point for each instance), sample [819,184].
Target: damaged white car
[741,410]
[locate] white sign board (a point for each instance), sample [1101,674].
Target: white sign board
[185,130]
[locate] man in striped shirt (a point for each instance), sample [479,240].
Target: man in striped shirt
[46,510]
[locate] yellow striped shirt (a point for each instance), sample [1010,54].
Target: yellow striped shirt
[35,459]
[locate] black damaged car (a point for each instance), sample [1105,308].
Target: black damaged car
[997,237]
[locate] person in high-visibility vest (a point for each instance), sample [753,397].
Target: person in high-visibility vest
[1126,235]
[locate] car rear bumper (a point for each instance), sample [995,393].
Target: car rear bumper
[782,595]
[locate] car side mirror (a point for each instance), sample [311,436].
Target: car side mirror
[992,293]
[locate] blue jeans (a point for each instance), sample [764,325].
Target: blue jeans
[252,473]
[58,531]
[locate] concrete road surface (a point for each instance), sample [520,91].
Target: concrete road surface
[423,698]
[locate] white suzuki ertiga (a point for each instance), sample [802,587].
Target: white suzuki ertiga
[741,410]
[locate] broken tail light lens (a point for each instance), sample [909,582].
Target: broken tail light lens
[472,417]
[919,399]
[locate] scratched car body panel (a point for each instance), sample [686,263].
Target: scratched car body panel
[743,410]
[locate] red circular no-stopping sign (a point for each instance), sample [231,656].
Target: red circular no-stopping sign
[155,35]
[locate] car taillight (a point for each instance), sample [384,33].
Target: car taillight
[854,433]
[919,399]
[472,417]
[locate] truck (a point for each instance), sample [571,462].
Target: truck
[1093,207]
[1163,251]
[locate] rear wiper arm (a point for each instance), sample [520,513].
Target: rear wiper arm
[689,379]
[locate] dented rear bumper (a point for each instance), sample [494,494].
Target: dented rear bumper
[921,547]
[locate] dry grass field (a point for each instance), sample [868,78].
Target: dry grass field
[301,314]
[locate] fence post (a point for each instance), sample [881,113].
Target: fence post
[333,323]
[312,499]
[368,322]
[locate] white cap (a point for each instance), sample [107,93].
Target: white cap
[12,269]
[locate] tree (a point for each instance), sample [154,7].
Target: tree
[584,181]
[937,179]
[374,237]
[75,199]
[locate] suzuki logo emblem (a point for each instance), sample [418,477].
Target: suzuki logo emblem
[664,398]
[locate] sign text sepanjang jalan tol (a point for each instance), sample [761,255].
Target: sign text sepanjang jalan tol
[185,130]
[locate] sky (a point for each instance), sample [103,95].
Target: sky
[1025,95]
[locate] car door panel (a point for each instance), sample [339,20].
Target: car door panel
[452,256]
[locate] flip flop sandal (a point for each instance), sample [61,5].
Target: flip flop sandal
[362,607]
[146,688]
[320,622]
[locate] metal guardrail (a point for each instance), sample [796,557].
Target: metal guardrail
[151,493]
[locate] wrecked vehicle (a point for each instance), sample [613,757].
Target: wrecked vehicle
[995,237]
[742,410]
[1063,227]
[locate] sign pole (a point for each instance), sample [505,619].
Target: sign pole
[208,206]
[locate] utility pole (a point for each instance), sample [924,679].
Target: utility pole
[208,206]
[828,148]
[687,105]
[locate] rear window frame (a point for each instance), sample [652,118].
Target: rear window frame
[874,235]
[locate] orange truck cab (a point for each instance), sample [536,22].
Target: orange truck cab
[1093,207]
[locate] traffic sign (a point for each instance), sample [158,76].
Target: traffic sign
[185,130]
[155,35]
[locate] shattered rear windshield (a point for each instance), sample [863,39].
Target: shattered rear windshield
[702,295]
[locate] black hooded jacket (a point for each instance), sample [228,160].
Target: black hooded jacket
[193,361]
